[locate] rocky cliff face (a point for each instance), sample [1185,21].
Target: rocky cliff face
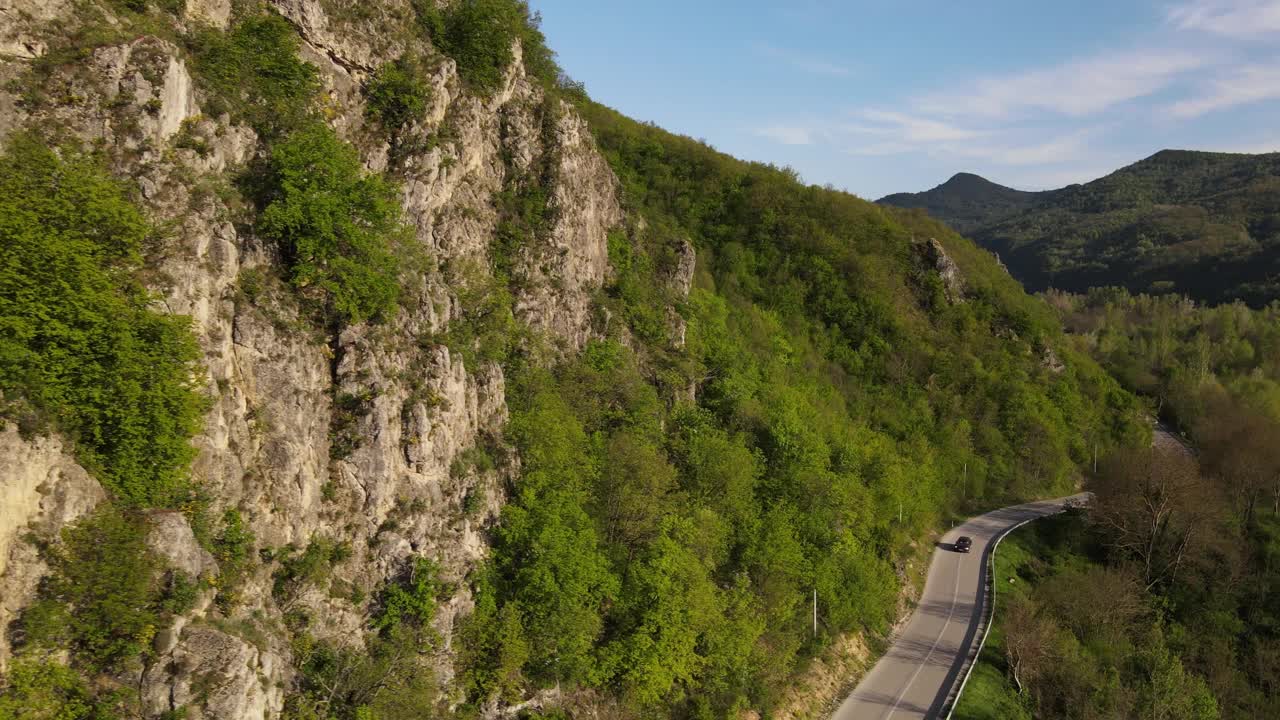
[282,396]
[936,257]
[42,489]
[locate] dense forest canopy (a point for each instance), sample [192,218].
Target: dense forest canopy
[1180,353]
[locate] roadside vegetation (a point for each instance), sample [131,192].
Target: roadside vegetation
[1157,602]
[1161,601]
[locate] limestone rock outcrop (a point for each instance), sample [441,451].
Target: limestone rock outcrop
[952,278]
[282,396]
[42,489]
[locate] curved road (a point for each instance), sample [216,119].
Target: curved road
[913,678]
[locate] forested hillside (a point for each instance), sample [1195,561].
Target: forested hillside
[822,410]
[356,366]
[1205,225]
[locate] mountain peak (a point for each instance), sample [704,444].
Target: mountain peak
[967,177]
[965,201]
[969,182]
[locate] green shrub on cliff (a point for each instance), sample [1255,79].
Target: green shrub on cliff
[255,73]
[336,224]
[396,94]
[479,36]
[102,598]
[40,690]
[79,343]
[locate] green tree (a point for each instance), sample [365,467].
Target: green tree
[673,603]
[634,483]
[411,601]
[78,340]
[480,34]
[338,226]
[36,690]
[1170,693]
[553,568]
[396,94]
[548,557]
[101,597]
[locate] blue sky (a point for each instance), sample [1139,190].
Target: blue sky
[881,96]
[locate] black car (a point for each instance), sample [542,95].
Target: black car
[963,543]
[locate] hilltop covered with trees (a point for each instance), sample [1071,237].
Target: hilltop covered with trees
[1205,225]
[829,402]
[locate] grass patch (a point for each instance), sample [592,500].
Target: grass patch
[989,696]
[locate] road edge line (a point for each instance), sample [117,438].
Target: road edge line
[991,610]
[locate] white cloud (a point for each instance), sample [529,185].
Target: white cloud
[1050,152]
[1256,148]
[1232,18]
[1046,126]
[1240,86]
[787,134]
[805,63]
[910,128]
[1076,88]
[898,133]
[881,149]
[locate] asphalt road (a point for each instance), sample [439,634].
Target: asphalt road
[913,678]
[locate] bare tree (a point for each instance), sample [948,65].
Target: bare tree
[1098,598]
[1028,642]
[1241,446]
[1151,505]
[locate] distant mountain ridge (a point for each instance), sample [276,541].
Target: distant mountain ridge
[966,201]
[1200,223]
